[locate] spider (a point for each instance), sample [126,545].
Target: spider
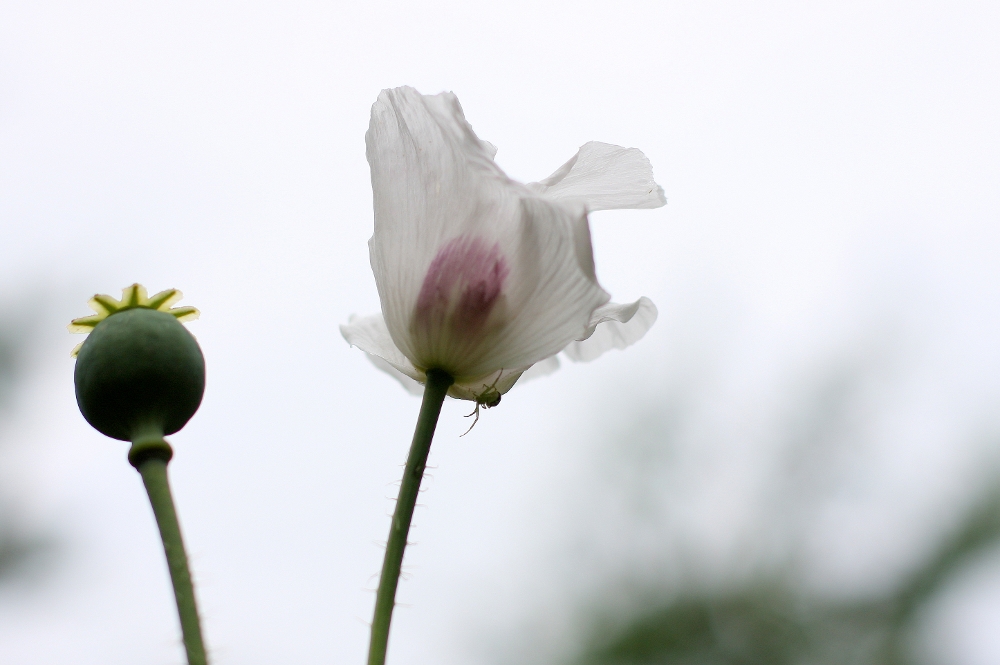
[487,399]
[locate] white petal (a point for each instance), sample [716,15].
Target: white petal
[604,177]
[432,181]
[412,386]
[447,221]
[501,381]
[369,334]
[541,368]
[552,284]
[614,326]
[470,390]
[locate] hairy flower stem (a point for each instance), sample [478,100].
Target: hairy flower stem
[150,457]
[437,386]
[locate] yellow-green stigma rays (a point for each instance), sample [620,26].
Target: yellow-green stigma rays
[132,297]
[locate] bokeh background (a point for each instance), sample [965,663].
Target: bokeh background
[798,464]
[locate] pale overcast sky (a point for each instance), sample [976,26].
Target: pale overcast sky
[832,176]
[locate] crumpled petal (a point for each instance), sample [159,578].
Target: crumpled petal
[614,326]
[447,219]
[604,177]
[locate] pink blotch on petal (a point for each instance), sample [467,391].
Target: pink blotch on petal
[463,283]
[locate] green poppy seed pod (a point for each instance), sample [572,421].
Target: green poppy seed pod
[140,371]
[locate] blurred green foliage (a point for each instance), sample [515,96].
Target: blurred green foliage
[18,544]
[774,617]
[776,623]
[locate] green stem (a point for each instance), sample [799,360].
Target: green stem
[150,457]
[437,386]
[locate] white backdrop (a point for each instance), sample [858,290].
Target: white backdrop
[831,170]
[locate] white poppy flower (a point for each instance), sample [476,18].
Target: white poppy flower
[481,276]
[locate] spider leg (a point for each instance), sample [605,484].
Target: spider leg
[476,414]
[496,381]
